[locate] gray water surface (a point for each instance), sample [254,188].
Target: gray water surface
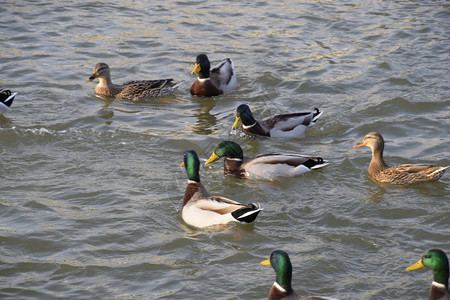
[91,188]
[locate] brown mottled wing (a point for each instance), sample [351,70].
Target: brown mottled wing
[151,84]
[415,168]
[139,89]
[409,174]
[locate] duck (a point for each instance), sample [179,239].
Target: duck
[201,210]
[131,90]
[437,261]
[219,80]
[264,166]
[291,125]
[405,174]
[282,287]
[6,99]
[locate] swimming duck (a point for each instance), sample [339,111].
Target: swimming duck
[130,90]
[279,126]
[6,99]
[200,209]
[437,261]
[266,166]
[281,288]
[213,82]
[401,174]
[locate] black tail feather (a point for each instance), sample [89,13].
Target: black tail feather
[6,97]
[317,113]
[247,214]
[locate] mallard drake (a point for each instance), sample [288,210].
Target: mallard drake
[213,82]
[278,126]
[281,288]
[266,166]
[401,174]
[200,209]
[130,90]
[6,99]
[437,261]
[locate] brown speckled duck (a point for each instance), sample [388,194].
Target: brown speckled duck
[437,261]
[402,174]
[281,288]
[291,125]
[219,80]
[130,90]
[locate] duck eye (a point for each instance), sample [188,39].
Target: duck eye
[427,256]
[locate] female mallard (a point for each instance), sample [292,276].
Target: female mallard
[130,90]
[266,166]
[281,288]
[200,209]
[6,99]
[278,126]
[219,80]
[436,260]
[401,174]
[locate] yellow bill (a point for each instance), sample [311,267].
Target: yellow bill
[237,123]
[266,262]
[212,159]
[182,164]
[197,69]
[415,266]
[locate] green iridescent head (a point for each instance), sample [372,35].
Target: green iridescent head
[435,260]
[192,165]
[228,149]
[202,66]
[280,262]
[244,116]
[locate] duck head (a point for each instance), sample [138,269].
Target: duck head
[280,262]
[243,116]
[437,261]
[101,70]
[374,141]
[202,66]
[192,165]
[228,149]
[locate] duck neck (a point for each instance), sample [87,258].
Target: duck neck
[232,165]
[441,275]
[204,73]
[377,163]
[256,128]
[194,190]
[438,291]
[248,120]
[439,287]
[105,82]
[284,280]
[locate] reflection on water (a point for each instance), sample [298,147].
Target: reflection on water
[205,120]
[376,194]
